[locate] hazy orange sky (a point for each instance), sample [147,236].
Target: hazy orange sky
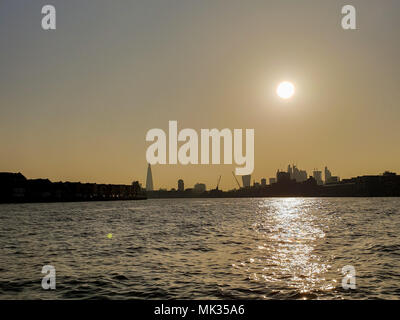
[76,103]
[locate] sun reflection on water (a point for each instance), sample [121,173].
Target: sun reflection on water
[285,258]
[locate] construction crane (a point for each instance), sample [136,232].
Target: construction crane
[236,180]
[219,180]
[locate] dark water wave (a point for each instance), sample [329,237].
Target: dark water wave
[202,249]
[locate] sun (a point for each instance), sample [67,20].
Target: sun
[285,90]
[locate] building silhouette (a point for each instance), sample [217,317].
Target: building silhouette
[297,174]
[317,175]
[329,178]
[282,176]
[290,171]
[263,182]
[199,188]
[246,181]
[328,175]
[181,185]
[149,179]
[15,188]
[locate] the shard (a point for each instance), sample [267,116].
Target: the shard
[149,179]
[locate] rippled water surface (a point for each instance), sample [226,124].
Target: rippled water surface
[202,249]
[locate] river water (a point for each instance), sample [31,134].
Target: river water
[273,248]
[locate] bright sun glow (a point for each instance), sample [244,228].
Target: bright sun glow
[285,90]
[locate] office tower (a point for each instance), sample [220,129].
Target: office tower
[282,176]
[246,181]
[199,188]
[290,171]
[318,176]
[333,179]
[149,179]
[302,176]
[263,182]
[181,185]
[328,175]
[272,180]
[297,174]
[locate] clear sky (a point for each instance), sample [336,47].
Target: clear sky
[76,103]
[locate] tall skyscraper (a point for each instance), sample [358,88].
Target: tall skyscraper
[246,180]
[282,176]
[290,171]
[149,179]
[181,185]
[318,176]
[328,175]
[296,174]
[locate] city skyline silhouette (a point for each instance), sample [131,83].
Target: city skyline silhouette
[79,107]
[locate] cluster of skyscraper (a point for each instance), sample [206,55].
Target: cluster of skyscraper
[298,175]
[292,173]
[329,178]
